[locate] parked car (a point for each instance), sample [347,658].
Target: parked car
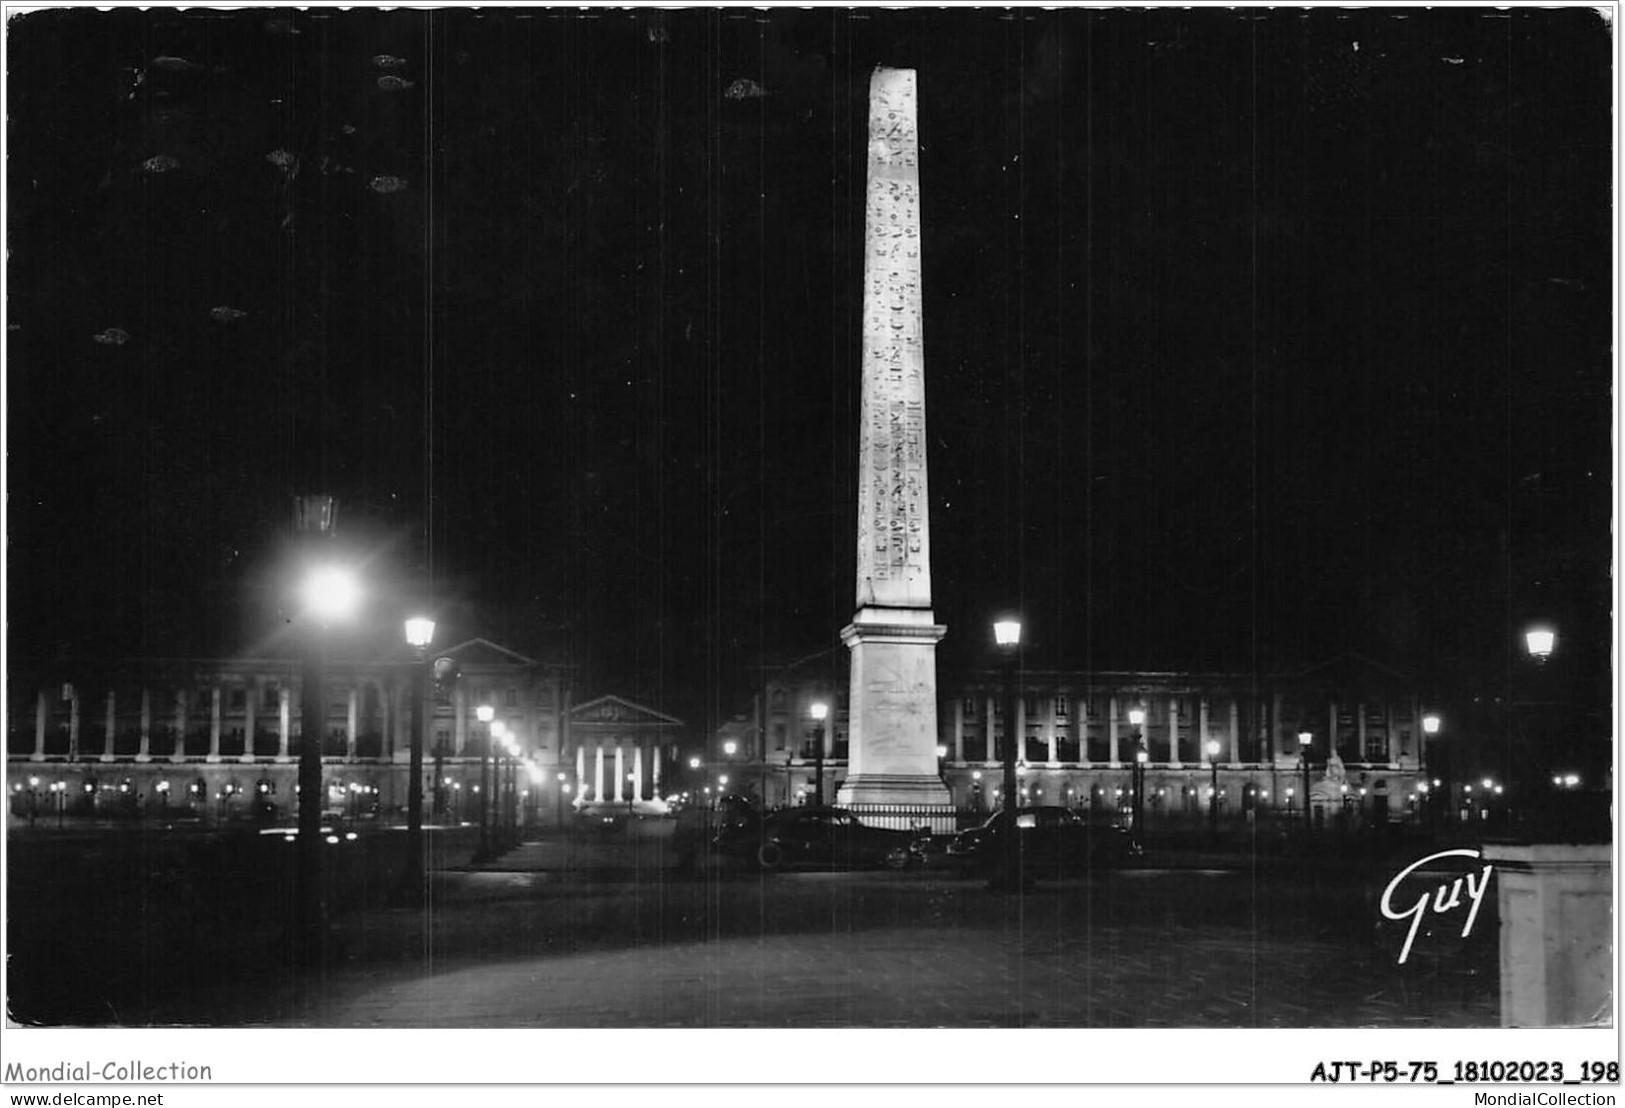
[819,836]
[1053,842]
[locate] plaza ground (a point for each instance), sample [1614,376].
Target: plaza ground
[604,933]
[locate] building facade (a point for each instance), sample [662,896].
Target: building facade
[1078,743]
[219,740]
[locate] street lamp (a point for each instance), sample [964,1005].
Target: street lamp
[1304,739]
[820,712]
[1540,640]
[1136,719]
[330,594]
[1213,789]
[485,714]
[419,634]
[1007,637]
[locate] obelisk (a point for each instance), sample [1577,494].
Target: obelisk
[892,718]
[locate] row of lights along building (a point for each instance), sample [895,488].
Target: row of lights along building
[220,740]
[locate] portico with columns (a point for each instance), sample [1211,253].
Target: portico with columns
[621,752]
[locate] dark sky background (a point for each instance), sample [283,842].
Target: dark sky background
[1252,337]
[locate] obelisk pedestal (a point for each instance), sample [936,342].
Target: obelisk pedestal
[892,717]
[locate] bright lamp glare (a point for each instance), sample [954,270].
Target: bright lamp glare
[332,593]
[1540,641]
[1007,632]
[820,711]
[419,631]
[1430,724]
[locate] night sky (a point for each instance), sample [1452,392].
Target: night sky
[1251,337]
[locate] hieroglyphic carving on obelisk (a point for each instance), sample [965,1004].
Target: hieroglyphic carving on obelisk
[894,526]
[892,714]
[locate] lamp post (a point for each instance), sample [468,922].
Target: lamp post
[1007,637]
[1136,719]
[1304,739]
[1430,731]
[820,712]
[508,785]
[330,594]
[485,714]
[1213,789]
[419,634]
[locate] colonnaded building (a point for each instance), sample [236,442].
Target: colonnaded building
[219,740]
[1367,754]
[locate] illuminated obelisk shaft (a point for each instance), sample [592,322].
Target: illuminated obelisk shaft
[893,637]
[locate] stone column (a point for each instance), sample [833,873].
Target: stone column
[214,723]
[73,722]
[620,772]
[1049,729]
[179,753]
[284,727]
[1359,729]
[1113,758]
[598,774]
[42,714]
[1235,733]
[351,717]
[959,728]
[989,728]
[112,723]
[1173,733]
[251,695]
[581,773]
[144,751]
[1018,727]
[637,772]
[1331,726]
[1393,730]
[1201,726]
[654,770]
[459,709]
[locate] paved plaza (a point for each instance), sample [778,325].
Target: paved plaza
[603,937]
